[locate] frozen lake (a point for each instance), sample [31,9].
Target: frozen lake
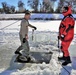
[45,37]
[42,25]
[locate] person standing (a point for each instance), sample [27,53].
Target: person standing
[23,34]
[66,33]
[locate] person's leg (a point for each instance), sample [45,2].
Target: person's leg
[24,56]
[25,53]
[65,46]
[20,47]
[66,53]
[62,49]
[26,49]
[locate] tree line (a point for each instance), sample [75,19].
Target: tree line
[6,8]
[37,6]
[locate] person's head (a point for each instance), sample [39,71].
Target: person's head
[27,15]
[66,10]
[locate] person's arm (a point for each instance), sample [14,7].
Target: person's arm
[32,26]
[69,25]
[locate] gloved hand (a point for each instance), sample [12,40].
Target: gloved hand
[62,36]
[24,40]
[35,28]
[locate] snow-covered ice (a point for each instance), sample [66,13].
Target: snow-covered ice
[45,39]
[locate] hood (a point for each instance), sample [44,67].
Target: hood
[68,12]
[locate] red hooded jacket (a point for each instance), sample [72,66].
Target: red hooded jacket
[67,26]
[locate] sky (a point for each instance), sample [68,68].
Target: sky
[15,2]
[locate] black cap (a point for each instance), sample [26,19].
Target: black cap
[66,8]
[27,12]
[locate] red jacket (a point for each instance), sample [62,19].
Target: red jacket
[67,26]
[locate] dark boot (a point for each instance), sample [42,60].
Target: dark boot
[17,52]
[61,58]
[23,59]
[67,61]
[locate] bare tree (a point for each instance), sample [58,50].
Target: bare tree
[72,3]
[66,3]
[1,10]
[60,4]
[47,7]
[6,8]
[12,8]
[33,4]
[4,5]
[21,6]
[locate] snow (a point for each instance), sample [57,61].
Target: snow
[3,16]
[45,39]
[35,16]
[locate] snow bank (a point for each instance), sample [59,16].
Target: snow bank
[35,16]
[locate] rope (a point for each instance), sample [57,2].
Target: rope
[9,25]
[64,68]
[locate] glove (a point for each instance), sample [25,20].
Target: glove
[62,36]
[35,28]
[24,40]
